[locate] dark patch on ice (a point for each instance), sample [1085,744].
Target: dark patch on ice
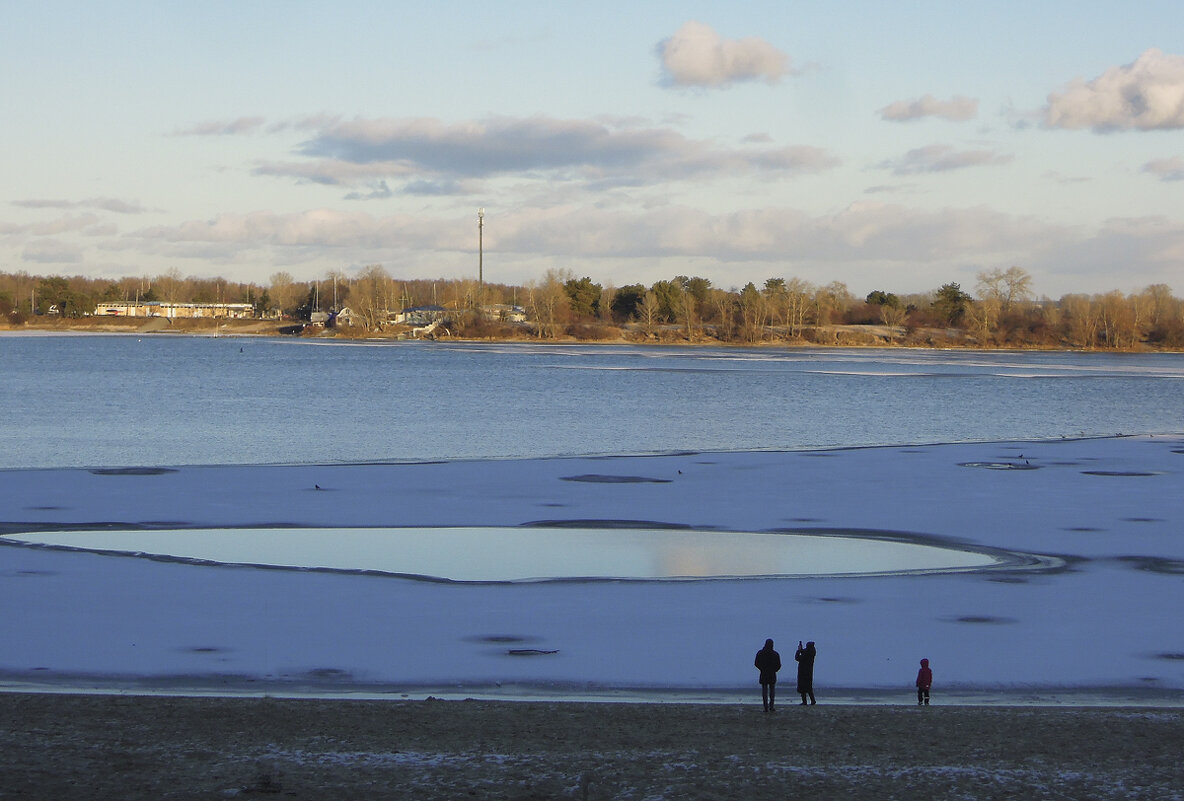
[45,508]
[500,639]
[1143,519]
[529,652]
[206,649]
[1172,656]
[597,478]
[999,465]
[839,600]
[820,455]
[1007,579]
[165,524]
[31,573]
[131,471]
[1155,564]
[1177,450]
[1082,528]
[1149,679]
[331,674]
[805,519]
[911,450]
[706,462]
[1126,473]
[984,619]
[554,505]
[613,524]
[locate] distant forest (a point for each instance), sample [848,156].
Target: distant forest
[1002,310]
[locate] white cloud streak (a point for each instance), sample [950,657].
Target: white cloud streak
[102,203]
[698,56]
[1146,95]
[943,158]
[235,127]
[956,109]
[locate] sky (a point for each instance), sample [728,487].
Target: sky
[892,146]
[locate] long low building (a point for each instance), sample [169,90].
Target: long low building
[163,309]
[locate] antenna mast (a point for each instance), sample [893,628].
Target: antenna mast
[481,247]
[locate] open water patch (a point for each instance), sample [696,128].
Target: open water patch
[999,465]
[536,553]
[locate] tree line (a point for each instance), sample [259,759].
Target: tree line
[1003,310]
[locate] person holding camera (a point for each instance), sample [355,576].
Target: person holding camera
[805,659]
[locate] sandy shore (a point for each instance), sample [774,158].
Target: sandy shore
[129,747]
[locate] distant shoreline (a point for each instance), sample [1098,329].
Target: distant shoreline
[249,329]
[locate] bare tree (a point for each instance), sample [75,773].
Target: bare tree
[549,304]
[1009,287]
[284,291]
[648,312]
[371,296]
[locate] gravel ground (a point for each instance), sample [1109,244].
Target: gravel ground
[137,747]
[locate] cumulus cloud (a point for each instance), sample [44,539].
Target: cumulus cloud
[956,109]
[1166,169]
[698,56]
[1145,95]
[235,127]
[943,158]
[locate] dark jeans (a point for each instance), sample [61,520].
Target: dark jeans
[922,696]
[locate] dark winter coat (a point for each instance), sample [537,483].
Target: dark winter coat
[924,676]
[768,662]
[805,657]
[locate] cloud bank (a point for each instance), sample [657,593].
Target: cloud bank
[698,56]
[1145,96]
[434,157]
[956,109]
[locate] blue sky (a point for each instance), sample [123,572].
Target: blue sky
[890,146]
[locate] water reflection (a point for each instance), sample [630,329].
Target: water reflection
[488,554]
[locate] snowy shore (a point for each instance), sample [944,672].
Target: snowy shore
[1101,622]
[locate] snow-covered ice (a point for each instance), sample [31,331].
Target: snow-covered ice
[1107,620]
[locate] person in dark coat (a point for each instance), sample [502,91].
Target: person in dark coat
[768,662]
[805,658]
[924,682]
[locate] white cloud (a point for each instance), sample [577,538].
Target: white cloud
[1146,95]
[698,56]
[956,109]
[1166,169]
[943,158]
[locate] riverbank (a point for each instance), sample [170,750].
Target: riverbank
[832,336]
[131,747]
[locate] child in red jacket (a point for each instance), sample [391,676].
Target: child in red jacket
[924,682]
